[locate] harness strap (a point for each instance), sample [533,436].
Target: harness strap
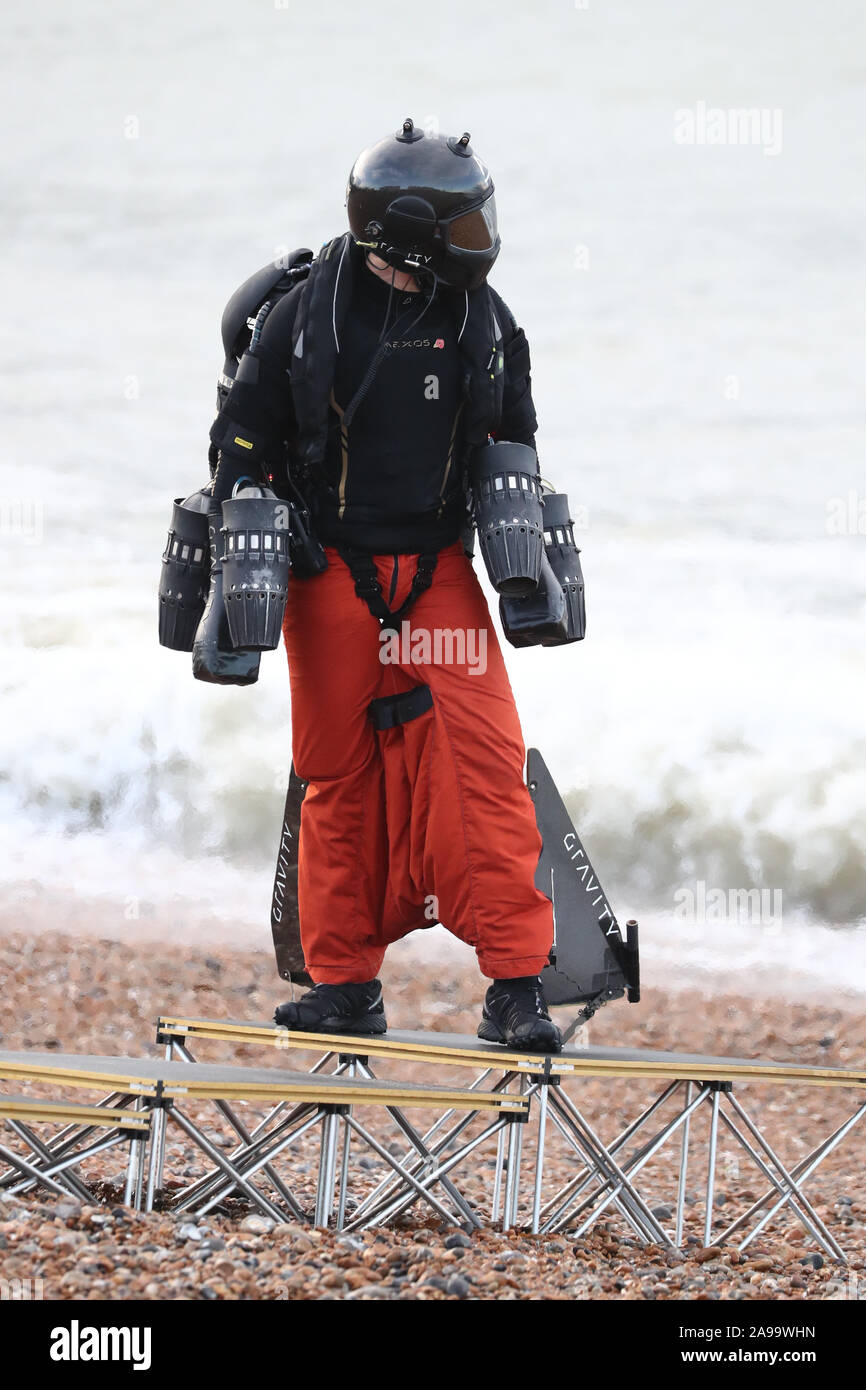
[362,568]
[391,710]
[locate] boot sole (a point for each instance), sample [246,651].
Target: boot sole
[491,1032]
[366,1028]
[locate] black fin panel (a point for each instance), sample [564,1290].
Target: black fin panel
[589,959]
[285,921]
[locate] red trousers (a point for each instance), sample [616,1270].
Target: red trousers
[426,822]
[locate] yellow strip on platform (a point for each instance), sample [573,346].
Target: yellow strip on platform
[270,1035]
[28,1108]
[41,1075]
[143,1077]
[401,1096]
[445,1050]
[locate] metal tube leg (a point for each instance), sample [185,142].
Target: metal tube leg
[131,1171]
[131,1166]
[539,1158]
[344,1166]
[344,1179]
[497,1177]
[135,1178]
[515,1190]
[327,1169]
[510,1175]
[160,1159]
[684,1164]
[711,1167]
[157,1142]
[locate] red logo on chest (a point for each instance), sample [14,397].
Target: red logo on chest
[439,343]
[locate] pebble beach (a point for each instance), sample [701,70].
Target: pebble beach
[102,995]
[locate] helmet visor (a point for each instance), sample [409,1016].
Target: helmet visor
[475,230]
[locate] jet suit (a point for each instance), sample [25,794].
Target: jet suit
[404,724]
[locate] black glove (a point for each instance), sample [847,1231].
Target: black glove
[539,620]
[214,659]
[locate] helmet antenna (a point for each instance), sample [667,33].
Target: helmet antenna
[408,134]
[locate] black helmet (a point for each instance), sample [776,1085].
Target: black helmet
[425,202]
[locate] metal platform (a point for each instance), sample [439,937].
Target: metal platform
[464,1050]
[607,1172]
[493,1105]
[300,1102]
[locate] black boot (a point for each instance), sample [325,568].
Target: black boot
[348,1008]
[515,1014]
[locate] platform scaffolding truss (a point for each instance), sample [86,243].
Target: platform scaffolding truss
[85,1131]
[566,1209]
[608,1172]
[299,1103]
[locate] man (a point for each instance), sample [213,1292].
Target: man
[376,376]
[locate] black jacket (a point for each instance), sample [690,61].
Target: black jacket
[281,333]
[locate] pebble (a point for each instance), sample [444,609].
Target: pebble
[709,1252]
[258,1225]
[458,1287]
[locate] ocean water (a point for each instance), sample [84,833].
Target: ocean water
[696,319]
